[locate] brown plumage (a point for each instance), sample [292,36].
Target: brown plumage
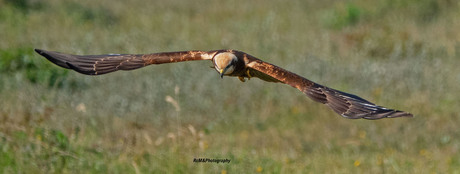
[228,63]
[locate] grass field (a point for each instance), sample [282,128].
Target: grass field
[401,54]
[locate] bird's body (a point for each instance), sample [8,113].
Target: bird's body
[228,63]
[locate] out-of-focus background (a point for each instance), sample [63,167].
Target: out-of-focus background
[401,54]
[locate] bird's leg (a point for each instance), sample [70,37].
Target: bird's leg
[249,75]
[241,78]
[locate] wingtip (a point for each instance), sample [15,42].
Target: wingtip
[403,114]
[40,51]
[55,57]
[392,114]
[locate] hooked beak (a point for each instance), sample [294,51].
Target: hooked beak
[221,72]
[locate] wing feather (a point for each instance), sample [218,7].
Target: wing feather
[345,104]
[102,64]
[263,76]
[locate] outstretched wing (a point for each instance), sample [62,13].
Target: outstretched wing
[347,105]
[102,64]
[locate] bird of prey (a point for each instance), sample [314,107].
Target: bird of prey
[228,63]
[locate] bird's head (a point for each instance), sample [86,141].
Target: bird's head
[224,63]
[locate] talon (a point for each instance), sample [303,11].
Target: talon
[241,79]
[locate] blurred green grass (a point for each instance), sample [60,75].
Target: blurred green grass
[399,54]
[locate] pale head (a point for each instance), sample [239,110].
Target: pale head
[224,63]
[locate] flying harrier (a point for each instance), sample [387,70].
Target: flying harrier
[228,63]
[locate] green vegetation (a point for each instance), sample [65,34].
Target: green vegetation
[401,54]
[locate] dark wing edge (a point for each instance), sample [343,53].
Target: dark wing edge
[102,64]
[348,105]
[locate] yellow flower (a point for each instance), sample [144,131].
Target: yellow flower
[357,163]
[423,152]
[259,169]
[203,144]
[286,160]
[223,172]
